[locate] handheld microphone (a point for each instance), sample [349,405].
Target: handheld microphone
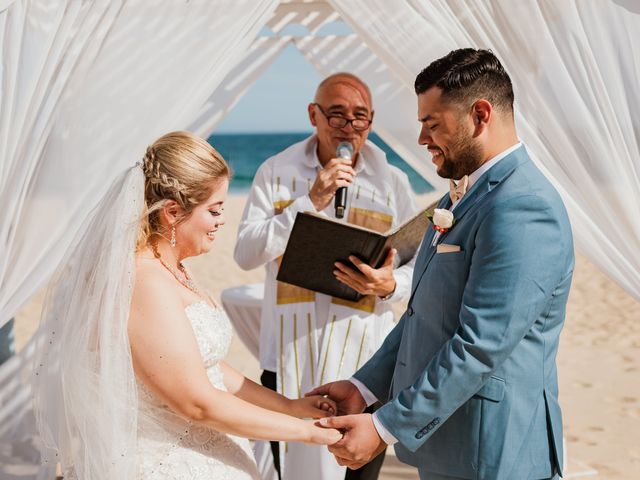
[344,150]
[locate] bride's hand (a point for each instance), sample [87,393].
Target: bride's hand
[322,436]
[315,406]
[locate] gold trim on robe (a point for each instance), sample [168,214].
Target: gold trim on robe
[378,221]
[280,205]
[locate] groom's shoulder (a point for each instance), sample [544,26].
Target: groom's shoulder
[533,182]
[526,187]
[524,197]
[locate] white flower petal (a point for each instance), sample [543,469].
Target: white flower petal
[442,218]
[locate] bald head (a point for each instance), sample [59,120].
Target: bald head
[341,96]
[347,80]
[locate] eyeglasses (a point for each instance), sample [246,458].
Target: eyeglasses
[338,121]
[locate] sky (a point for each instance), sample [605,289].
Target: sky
[277,101]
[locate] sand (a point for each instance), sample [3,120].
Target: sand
[599,360]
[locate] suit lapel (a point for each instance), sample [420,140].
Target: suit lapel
[426,250]
[489,180]
[483,186]
[444,202]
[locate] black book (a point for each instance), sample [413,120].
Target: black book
[317,242]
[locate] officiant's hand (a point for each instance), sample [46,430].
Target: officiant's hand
[367,280]
[336,173]
[360,441]
[346,395]
[314,406]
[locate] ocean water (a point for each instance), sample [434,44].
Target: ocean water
[246,151]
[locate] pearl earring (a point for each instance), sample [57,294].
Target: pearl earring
[172,242]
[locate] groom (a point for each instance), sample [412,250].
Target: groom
[469,373]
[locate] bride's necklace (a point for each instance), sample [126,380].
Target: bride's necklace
[180,275]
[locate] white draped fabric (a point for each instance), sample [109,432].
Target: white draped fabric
[86,86]
[575,67]
[81,79]
[260,55]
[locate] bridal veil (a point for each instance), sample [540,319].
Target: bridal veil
[84,385]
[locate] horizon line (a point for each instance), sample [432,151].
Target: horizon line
[269,132]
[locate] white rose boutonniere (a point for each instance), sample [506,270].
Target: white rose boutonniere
[442,220]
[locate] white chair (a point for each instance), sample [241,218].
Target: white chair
[244,306]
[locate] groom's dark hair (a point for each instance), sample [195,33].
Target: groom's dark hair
[467,74]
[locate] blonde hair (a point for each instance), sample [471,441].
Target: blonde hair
[182,167]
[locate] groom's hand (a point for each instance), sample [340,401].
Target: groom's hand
[346,395]
[360,442]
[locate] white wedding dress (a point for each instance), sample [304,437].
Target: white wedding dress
[171,448]
[94,418]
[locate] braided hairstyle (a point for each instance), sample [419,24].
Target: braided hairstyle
[182,167]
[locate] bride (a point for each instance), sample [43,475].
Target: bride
[130,381]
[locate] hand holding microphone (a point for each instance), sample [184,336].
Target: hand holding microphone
[333,179]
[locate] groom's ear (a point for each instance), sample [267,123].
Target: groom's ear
[481,112]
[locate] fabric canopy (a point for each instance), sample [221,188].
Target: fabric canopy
[576,77]
[86,85]
[81,79]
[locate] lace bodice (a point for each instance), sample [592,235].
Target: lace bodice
[170,447]
[213,331]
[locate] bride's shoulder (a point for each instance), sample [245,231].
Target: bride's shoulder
[151,280]
[147,265]
[154,301]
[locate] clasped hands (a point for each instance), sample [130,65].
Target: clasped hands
[360,442]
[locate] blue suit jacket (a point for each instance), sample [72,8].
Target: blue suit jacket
[470,371]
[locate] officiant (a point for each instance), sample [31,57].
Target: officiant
[308,338]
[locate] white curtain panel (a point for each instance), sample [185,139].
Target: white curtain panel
[85,86]
[575,66]
[260,55]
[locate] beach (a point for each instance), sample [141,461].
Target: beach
[598,361]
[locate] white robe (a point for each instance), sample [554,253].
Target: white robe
[309,338]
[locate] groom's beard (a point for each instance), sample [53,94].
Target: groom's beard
[464,157]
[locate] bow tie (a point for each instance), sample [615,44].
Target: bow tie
[457,190]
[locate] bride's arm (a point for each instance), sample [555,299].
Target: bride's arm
[236,383]
[166,358]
